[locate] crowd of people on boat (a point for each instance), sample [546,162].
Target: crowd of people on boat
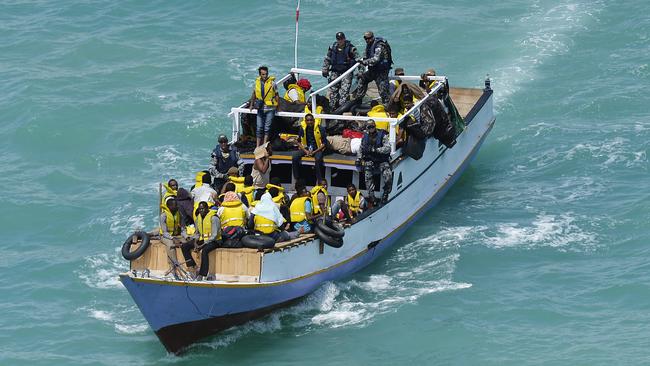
[224,205]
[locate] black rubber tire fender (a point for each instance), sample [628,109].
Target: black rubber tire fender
[331,229]
[126,247]
[329,240]
[257,241]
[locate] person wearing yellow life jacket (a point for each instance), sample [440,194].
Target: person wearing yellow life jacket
[172,231]
[265,100]
[171,189]
[233,176]
[425,83]
[312,143]
[296,92]
[202,191]
[266,219]
[321,198]
[301,209]
[246,194]
[233,215]
[352,205]
[207,237]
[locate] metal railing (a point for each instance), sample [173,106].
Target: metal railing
[236,112]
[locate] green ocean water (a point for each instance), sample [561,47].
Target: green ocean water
[537,256]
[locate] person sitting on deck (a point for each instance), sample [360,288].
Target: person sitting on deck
[265,100]
[427,84]
[202,191]
[246,194]
[261,171]
[301,209]
[280,197]
[228,187]
[352,205]
[321,198]
[375,153]
[296,92]
[207,237]
[185,207]
[280,200]
[224,157]
[266,219]
[233,215]
[236,179]
[171,188]
[172,231]
[312,143]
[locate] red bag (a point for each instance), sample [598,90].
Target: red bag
[352,134]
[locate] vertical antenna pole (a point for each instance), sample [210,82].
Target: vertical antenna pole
[295,48]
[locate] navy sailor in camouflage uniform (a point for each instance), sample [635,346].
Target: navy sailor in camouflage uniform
[378,59]
[375,154]
[340,56]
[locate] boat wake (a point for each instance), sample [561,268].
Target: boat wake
[550,36]
[420,268]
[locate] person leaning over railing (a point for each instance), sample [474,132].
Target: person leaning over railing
[340,57]
[265,100]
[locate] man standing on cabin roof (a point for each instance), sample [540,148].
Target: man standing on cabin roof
[312,143]
[340,57]
[265,100]
[224,157]
[378,59]
[375,153]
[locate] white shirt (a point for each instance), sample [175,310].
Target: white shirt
[203,193]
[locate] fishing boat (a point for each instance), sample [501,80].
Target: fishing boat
[246,283]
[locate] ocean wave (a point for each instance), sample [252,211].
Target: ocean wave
[556,231]
[614,151]
[100,271]
[123,318]
[550,36]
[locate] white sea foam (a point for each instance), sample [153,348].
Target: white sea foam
[125,319]
[100,271]
[557,231]
[615,151]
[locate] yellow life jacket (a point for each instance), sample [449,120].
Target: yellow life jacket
[199,179]
[248,191]
[297,209]
[379,111]
[169,192]
[204,225]
[264,225]
[173,221]
[269,91]
[233,214]
[319,110]
[314,199]
[238,182]
[254,203]
[317,135]
[301,93]
[280,199]
[354,203]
